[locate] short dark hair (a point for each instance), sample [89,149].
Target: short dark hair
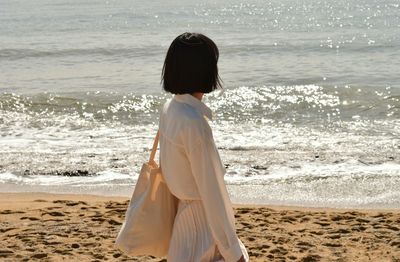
[191,65]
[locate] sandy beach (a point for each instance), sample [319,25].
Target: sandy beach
[51,227]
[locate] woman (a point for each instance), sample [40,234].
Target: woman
[204,227]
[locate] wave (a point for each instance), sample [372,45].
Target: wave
[147,51]
[228,49]
[314,47]
[298,105]
[56,180]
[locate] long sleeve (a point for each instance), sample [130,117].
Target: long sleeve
[208,173]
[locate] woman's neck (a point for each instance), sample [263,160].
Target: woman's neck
[198,95]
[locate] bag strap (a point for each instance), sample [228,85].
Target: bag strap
[154,149]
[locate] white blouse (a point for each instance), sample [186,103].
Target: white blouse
[193,169]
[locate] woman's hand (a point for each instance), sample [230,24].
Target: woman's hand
[241,259]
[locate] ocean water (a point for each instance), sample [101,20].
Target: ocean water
[309,114]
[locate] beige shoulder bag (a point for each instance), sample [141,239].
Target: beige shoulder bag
[150,216]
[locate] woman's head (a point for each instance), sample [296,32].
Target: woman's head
[191,65]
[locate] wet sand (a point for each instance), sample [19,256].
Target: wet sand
[51,227]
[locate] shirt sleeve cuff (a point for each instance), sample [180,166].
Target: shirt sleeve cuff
[233,253]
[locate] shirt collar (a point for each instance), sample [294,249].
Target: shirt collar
[194,102]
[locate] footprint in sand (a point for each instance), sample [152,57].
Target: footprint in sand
[116,204]
[395,243]
[359,228]
[30,218]
[54,214]
[97,255]
[336,236]
[394,228]
[304,219]
[251,239]
[288,219]
[69,202]
[6,253]
[379,215]
[116,212]
[328,244]
[56,207]
[247,225]
[304,244]
[270,256]
[362,220]
[339,231]
[39,255]
[40,200]
[55,220]
[98,219]
[265,246]
[9,212]
[62,252]
[279,250]
[114,222]
[89,244]
[341,217]
[324,224]
[311,258]
[52,243]
[3,230]
[243,211]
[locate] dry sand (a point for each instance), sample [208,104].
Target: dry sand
[50,227]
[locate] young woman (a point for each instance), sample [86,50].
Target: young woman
[204,227]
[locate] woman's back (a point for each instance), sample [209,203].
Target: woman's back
[182,125]
[204,226]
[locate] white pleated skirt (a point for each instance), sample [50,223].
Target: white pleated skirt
[191,239]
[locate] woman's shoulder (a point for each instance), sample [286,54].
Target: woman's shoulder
[184,117]
[182,112]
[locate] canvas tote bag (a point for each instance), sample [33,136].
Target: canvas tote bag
[150,215]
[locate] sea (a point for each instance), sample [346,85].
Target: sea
[309,113]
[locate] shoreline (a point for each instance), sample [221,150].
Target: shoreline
[275,195]
[24,196]
[65,227]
